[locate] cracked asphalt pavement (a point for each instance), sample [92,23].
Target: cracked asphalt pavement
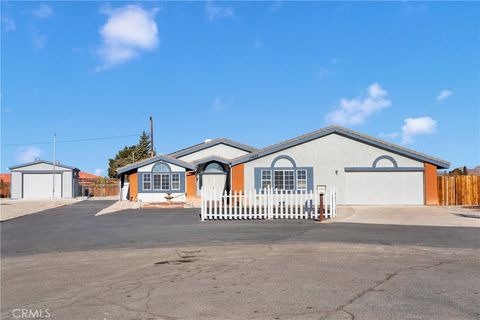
[167,265]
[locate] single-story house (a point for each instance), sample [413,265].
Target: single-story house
[35,180]
[365,170]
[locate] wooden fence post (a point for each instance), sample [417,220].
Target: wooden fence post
[321,207]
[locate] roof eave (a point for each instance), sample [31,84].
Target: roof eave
[205,145]
[148,161]
[42,161]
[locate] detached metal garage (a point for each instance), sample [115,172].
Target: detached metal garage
[35,180]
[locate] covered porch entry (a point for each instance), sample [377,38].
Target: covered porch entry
[213,174]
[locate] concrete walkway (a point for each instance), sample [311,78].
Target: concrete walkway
[412,216]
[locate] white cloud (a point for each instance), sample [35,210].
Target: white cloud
[417,126]
[357,110]
[44,11]
[99,172]
[39,40]
[444,94]
[8,24]
[215,12]
[391,135]
[220,104]
[128,31]
[28,154]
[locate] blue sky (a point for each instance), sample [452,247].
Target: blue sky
[256,72]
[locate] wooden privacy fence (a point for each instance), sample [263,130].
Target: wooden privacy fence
[99,190]
[459,190]
[267,204]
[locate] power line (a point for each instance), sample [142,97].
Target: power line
[72,140]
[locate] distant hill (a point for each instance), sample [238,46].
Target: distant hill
[475,171]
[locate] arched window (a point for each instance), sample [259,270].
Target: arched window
[162,179]
[161,167]
[214,167]
[283,174]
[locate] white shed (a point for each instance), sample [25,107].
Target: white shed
[43,180]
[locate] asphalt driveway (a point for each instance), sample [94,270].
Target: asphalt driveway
[75,228]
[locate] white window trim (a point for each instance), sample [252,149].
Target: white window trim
[284,180]
[262,180]
[274,182]
[153,181]
[143,181]
[171,181]
[306,180]
[161,174]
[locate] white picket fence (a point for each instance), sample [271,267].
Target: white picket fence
[266,204]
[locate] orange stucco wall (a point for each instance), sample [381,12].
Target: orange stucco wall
[133,186]
[431,187]
[238,180]
[191,185]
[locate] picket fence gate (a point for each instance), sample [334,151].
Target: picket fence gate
[267,204]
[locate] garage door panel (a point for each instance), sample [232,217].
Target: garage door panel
[384,188]
[40,186]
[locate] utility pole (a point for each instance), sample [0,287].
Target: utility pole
[152,152]
[54,160]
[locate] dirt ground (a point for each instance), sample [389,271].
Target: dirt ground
[10,209]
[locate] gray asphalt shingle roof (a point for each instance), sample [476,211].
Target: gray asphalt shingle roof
[214,142]
[442,164]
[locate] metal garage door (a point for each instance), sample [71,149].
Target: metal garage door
[384,188]
[40,185]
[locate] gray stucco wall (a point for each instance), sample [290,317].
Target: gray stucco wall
[329,156]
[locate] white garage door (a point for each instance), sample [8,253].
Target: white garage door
[384,188]
[40,185]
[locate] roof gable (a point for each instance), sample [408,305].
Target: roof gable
[57,165]
[148,161]
[442,164]
[209,144]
